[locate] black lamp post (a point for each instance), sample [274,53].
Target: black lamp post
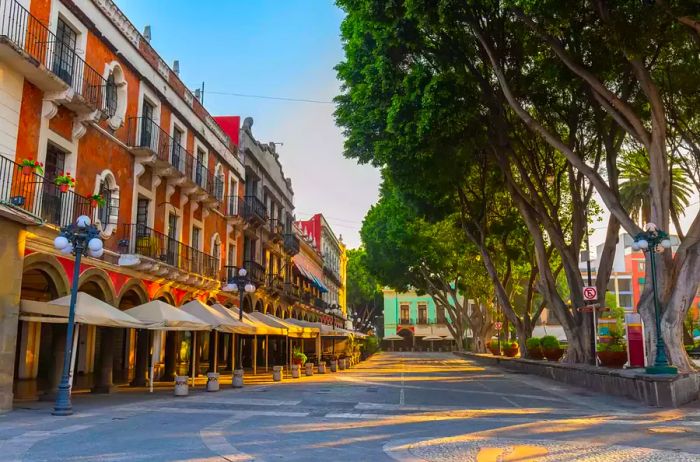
[81,238]
[243,284]
[653,241]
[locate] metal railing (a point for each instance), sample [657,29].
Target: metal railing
[230,273]
[274,281]
[276,227]
[292,290]
[291,243]
[33,37]
[31,193]
[320,304]
[254,208]
[256,271]
[146,134]
[145,241]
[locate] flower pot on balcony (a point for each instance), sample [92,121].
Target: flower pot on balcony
[93,203]
[27,170]
[63,187]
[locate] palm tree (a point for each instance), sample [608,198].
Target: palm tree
[635,188]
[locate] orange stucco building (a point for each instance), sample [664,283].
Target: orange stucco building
[83,92]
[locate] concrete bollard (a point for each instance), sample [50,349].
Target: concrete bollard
[277,373]
[341,364]
[309,369]
[322,367]
[181,387]
[237,378]
[295,371]
[334,366]
[212,381]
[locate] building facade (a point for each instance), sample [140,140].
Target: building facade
[333,251]
[415,317]
[181,200]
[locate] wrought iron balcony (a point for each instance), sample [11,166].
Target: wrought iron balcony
[136,239]
[146,138]
[291,244]
[292,290]
[30,47]
[274,282]
[320,304]
[332,274]
[276,229]
[28,197]
[256,271]
[254,210]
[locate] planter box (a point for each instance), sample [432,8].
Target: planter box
[613,359]
[653,390]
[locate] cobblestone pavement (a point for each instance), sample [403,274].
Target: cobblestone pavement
[396,406]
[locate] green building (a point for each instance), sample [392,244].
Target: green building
[416,319]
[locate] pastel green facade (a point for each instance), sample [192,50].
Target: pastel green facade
[392,310]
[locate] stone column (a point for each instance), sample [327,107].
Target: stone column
[105,369]
[28,361]
[58,349]
[12,258]
[170,356]
[142,353]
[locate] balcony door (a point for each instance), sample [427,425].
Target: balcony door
[64,53]
[199,170]
[172,253]
[422,314]
[51,197]
[405,314]
[176,158]
[147,124]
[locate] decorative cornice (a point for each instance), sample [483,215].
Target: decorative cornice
[120,20]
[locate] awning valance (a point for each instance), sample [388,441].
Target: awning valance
[159,315]
[308,329]
[88,310]
[262,326]
[245,326]
[218,320]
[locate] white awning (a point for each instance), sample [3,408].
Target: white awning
[221,321]
[158,315]
[88,310]
[262,326]
[309,329]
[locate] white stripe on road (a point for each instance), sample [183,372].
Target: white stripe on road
[214,438]
[244,401]
[242,413]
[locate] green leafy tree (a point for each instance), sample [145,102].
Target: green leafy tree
[363,289]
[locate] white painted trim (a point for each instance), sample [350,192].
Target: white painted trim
[117,120]
[114,187]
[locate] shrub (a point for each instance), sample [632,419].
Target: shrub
[299,356]
[533,343]
[509,344]
[371,345]
[550,342]
[494,344]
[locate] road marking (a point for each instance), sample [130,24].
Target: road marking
[214,438]
[505,398]
[14,449]
[245,401]
[246,413]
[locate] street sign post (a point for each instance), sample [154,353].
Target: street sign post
[590,293]
[498,325]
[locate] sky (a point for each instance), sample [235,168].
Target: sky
[271,48]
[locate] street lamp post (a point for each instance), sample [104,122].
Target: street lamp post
[653,241]
[81,238]
[242,284]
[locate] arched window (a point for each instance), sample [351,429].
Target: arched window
[103,212]
[111,95]
[106,216]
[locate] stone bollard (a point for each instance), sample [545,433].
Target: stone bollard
[334,366]
[322,367]
[309,369]
[341,364]
[277,373]
[295,371]
[181,387]
[212,381]
[237,378]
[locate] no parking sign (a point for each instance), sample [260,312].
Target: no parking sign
[590,293]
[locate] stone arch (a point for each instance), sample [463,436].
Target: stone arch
[259,306]
[164,295]
[247,304]
[269,309]
[133,288]
[106,181]
[215,248]
[114,75]
[101,280]
[50,268]
[279,312]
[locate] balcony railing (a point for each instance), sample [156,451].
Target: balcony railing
[275,282]
[292,290]
[320,304]
[254,209]
[30,35]
[142,240]
[144,133]
[38,197]
[291,243]
[255,270]
[405,321]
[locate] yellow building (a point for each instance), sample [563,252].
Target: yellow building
[342,290]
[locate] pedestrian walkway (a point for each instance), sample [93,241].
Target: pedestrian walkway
[395,406]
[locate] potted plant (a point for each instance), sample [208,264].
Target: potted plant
[27,166]
[613,353]
[494,348]
[551,348]
[510,348]
[534,348]
[298,357]
[64,182]
[96,200]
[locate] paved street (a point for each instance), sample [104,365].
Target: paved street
[396,406]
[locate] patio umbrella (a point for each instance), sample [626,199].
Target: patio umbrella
[392,338]
[161,316]
[431,338]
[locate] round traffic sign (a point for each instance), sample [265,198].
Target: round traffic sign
[590,293]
